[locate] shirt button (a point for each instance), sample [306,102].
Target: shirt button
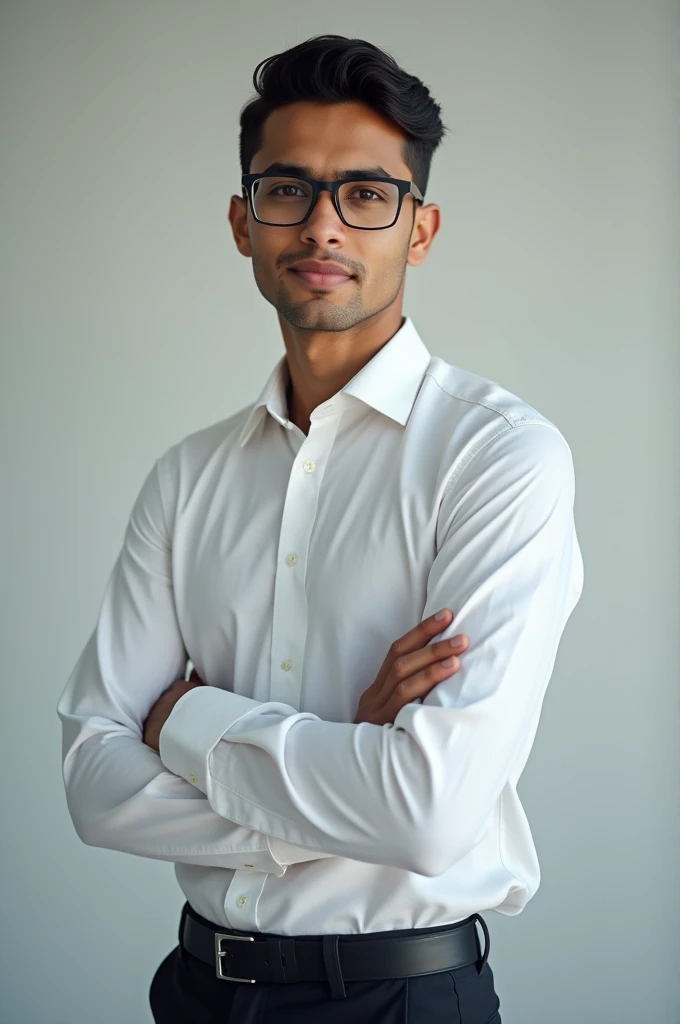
[241,901]
[287,665]
[309,466]
[194,777]
[292,559]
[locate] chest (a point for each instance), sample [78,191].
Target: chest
[298,572]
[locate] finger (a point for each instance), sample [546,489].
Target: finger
[422,665]
[419,685]
[413,640]
[409,664]
[422,633]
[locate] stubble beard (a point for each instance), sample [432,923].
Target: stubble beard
[321,314]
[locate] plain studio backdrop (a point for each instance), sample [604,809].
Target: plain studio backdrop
[129,320]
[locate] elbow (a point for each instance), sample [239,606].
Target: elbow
[431,860]
[424,862]
[83,830]
[83,824]
[423,852]
[90,836]
[441,843]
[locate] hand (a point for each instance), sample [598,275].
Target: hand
[411,669]
[160,712]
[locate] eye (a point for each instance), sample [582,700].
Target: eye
[277,190]
[366,192]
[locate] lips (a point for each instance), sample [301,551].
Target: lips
[321,273]
[321,280]
[321,267]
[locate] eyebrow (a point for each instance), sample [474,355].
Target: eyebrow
[297,169]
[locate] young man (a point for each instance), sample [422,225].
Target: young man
[335,783]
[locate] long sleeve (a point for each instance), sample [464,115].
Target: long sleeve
[119,794]
[419,794]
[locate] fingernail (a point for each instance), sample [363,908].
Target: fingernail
[442,614]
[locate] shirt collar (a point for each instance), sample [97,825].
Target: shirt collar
[389,382]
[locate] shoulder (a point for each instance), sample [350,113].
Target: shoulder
[470,413]
[461,393]
[201,451]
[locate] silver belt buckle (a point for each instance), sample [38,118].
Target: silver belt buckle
[219,953]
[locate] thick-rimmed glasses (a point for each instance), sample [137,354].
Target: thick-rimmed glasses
[368,203]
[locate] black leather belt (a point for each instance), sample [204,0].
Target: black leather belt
[253,957]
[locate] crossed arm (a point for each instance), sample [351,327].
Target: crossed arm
[231,783]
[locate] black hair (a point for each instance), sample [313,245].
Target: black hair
[335,69]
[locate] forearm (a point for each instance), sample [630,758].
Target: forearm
[121,797]
[357,791]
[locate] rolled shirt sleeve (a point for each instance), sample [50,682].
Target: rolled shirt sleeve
[418,794]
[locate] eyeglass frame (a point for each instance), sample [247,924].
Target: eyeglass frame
[318,186]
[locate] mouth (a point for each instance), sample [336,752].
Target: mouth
[320,281]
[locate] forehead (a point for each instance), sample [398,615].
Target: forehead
[330,137]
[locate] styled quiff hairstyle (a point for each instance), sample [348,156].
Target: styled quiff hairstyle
[335,69]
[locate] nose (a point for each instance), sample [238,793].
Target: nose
[323,227]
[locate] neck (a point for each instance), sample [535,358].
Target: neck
[320,363]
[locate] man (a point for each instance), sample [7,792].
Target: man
[335,782]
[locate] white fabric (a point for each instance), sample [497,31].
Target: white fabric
[283,565]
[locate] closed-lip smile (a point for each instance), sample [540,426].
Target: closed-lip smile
[321,274]
[320,267]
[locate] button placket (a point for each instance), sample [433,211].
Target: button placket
[289,619]
[289,622]
[240,903]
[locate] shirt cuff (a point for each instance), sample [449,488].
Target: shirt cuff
[284,854]
[196,724]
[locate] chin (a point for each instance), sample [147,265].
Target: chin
[319,314]
[335,320]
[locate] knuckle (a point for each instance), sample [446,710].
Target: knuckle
[399,668]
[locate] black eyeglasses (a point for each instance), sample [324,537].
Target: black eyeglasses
[367,203]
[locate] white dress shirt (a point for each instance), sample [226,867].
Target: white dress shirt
[283,566]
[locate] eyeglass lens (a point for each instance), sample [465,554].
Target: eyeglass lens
[367,204]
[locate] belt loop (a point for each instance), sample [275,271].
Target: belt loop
[331,959]
[487,941]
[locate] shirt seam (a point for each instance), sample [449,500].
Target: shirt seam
[480,447]
[474,401]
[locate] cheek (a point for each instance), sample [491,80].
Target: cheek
[388,265]
[263,271]
[266,253]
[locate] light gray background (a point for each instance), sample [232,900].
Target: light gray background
[129,320]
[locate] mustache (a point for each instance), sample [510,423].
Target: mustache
[289,258]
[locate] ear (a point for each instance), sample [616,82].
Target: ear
[238,218]
[426,225]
